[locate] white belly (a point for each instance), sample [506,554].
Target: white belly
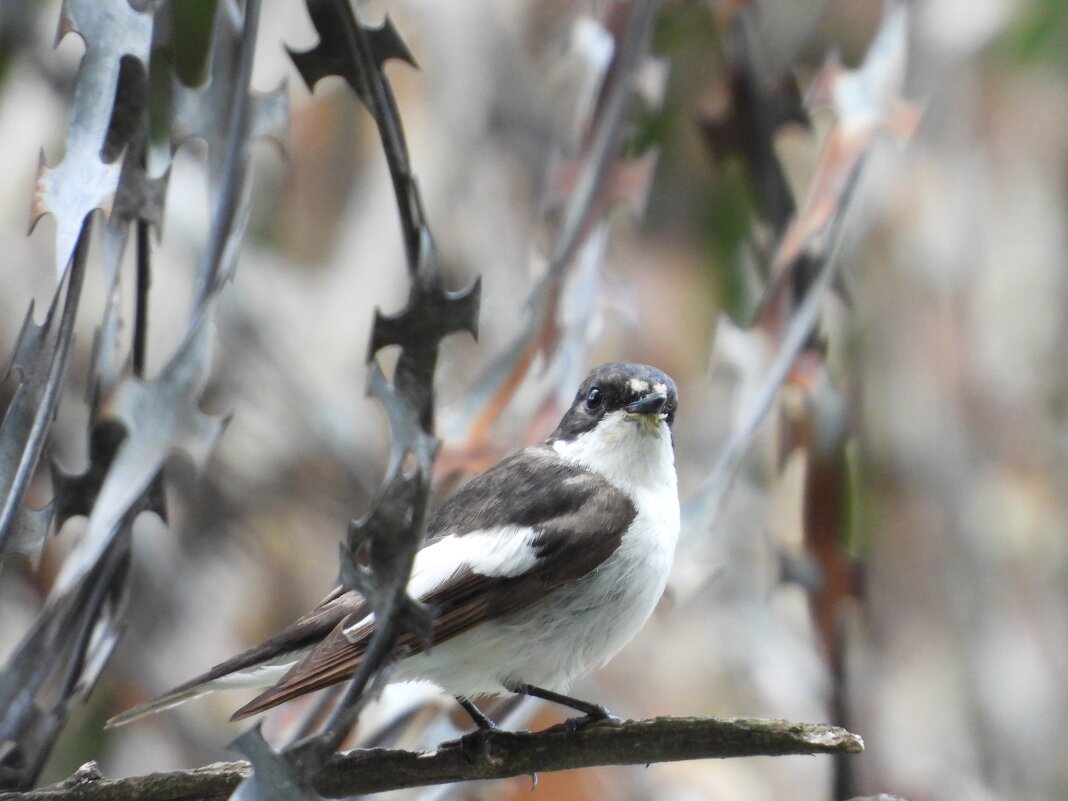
[577,628]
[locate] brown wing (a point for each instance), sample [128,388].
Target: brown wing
[585,529]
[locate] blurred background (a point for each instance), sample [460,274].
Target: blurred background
[891,554]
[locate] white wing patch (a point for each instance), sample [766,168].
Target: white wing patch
[503,551]
[500,552]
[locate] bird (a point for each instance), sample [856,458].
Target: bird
[536,572]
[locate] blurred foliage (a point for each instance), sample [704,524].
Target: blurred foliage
[192,26]
[1037,35]
[713,208]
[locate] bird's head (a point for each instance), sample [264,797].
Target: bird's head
[622,414]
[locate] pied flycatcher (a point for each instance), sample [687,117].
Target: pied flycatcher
[538,571]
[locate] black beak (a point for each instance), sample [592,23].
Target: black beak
[651,403]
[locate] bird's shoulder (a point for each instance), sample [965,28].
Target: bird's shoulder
[534,488]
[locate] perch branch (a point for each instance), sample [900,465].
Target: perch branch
[485,755]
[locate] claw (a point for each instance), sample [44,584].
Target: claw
[573,725]
[472,745]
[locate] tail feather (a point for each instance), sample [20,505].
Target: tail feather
[258,677]
[173,698]
[262,665]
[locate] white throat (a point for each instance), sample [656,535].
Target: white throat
[632,452]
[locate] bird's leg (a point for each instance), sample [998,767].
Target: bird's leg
[477,715]
[467,742]
[472,743]
[594,712]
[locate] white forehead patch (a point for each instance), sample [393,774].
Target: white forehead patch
[638,385]
[660,386]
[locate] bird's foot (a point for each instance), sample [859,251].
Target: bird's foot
[574,725]
[473,744]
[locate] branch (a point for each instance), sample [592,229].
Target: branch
[484,755]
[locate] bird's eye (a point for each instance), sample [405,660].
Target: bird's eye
[593,398]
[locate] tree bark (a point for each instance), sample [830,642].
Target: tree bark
[483,755]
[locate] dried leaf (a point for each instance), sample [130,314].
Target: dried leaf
[760,104]
[541,332]
[867,102]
